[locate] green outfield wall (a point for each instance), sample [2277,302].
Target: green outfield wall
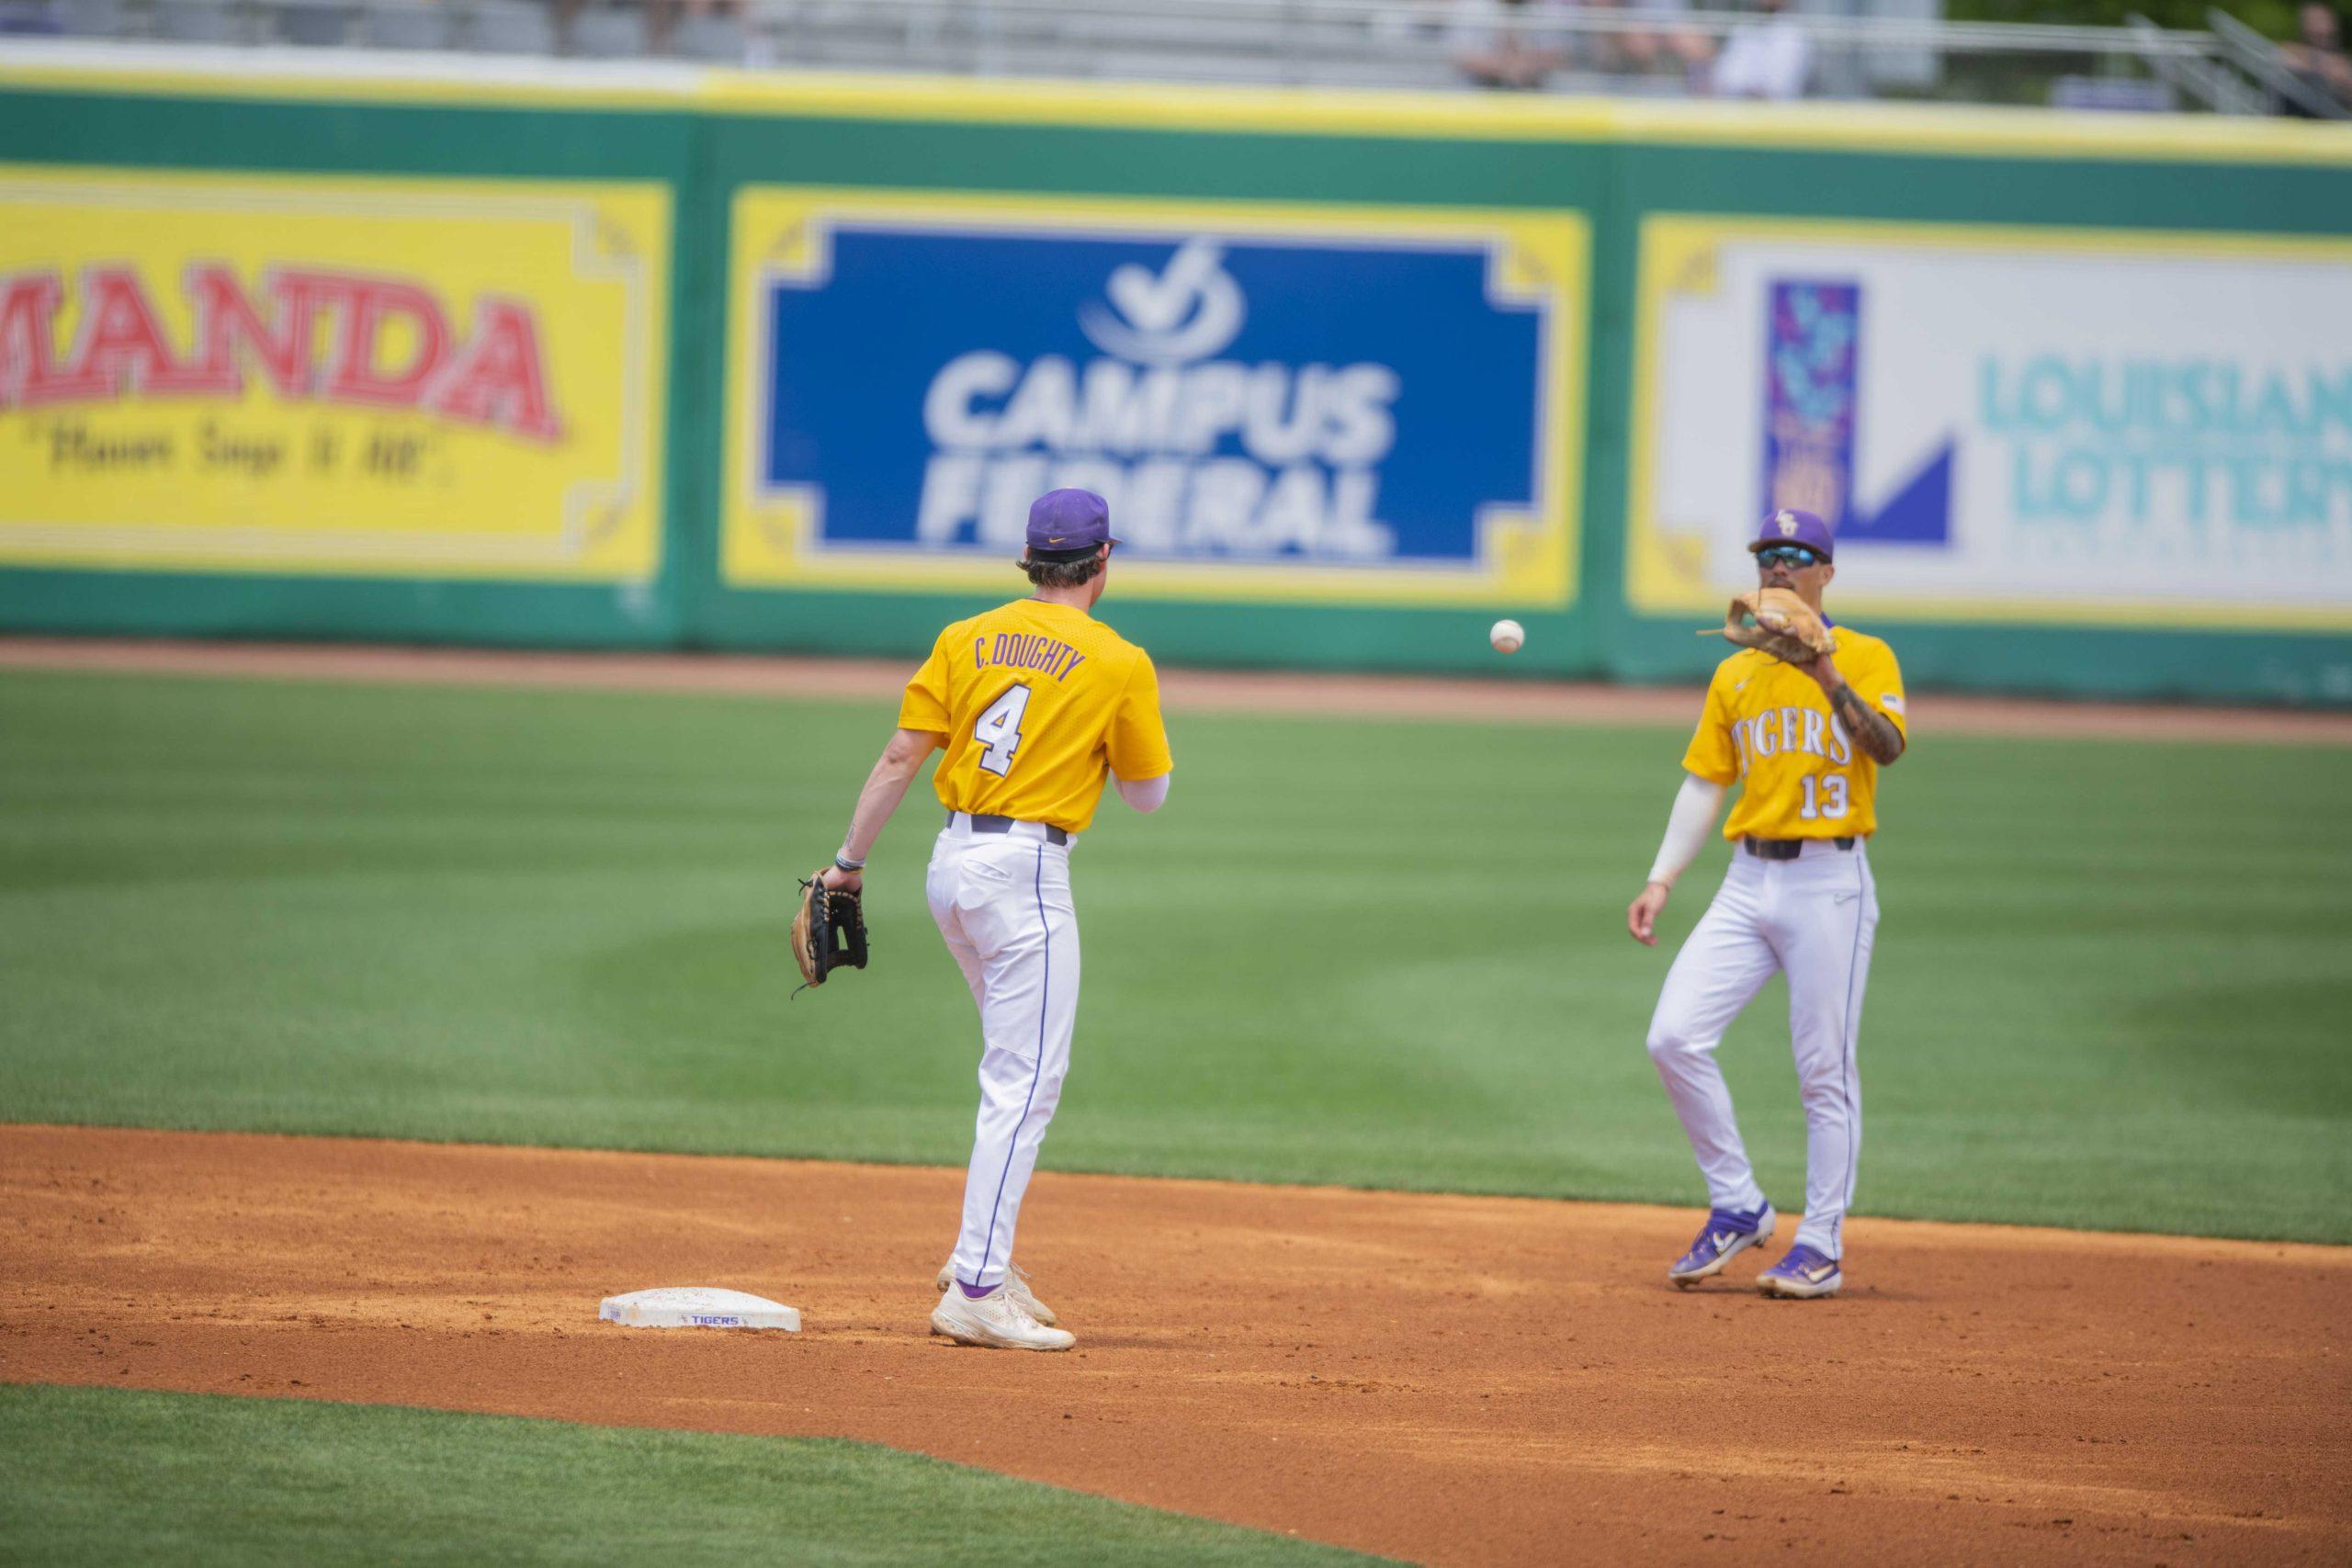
[720,360]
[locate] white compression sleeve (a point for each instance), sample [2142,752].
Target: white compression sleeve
[1144,795]
[1696,805]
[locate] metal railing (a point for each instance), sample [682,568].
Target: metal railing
[1364,43]
[2259,60]
[2204,79]
[1387,42]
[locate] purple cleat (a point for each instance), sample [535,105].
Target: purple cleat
[1727,1233]
[1804,1273]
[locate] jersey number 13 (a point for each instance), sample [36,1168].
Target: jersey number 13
[1824,795]
[997,729]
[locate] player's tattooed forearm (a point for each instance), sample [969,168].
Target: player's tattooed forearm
[1872,731]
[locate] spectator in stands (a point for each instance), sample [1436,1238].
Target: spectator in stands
[1670,50]
[1503,43]
[2318,61]
[1769,56]
[661,18]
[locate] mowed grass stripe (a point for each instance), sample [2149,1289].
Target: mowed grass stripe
[107,1476]
[2109,990]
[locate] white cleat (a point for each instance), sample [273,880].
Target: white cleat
[995,1321]
[1016,1281]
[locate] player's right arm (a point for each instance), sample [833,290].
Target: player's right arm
[1137,742]
[1710,765]
[1696,805]
[1145,795]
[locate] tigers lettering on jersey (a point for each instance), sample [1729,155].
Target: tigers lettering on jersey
[1014,651]
[1767,725]
[1036,704]
[1789,729]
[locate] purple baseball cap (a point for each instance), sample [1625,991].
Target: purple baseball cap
[1787,525]
[1070,523]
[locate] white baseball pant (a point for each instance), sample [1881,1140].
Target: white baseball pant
[1002,904]
[1815,918]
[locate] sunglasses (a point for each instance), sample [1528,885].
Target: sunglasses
[1787,555]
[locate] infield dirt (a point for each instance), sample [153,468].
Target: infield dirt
[1447,1378]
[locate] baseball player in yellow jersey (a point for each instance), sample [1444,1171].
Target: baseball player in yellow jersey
[1036,702]
[1806,742]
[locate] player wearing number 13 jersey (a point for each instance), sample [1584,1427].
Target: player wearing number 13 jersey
[1768,727]
[1035,703]
[1804,743]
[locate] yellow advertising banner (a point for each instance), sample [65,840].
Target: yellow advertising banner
[360,377]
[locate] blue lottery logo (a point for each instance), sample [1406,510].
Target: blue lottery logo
[1813,393]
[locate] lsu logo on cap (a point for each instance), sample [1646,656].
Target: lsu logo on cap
[1788,521]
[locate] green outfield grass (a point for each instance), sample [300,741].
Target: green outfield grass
[105,1476]
[2111,990]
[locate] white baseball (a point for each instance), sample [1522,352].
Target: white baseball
[1507,637]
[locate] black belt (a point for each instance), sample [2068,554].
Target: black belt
[1787,848]
[1004,825]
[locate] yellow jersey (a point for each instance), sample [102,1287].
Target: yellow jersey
[1035,703]
[1767,723]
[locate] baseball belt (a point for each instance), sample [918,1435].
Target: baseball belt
[1004,825]
[1787,848]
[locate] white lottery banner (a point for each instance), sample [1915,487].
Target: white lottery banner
[2070,426]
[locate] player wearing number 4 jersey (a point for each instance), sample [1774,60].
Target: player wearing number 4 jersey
[1806,741]
[1034,702]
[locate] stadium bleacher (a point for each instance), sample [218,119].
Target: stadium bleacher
[1892,49]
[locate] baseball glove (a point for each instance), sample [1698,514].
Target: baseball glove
[1778,622]
[828,931]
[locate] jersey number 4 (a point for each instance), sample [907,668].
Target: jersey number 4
[997,729]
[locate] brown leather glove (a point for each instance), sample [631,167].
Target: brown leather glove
[827,930]
[1778,622]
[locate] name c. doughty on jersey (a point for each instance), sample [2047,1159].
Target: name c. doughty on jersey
[1017,650]
[1777,731]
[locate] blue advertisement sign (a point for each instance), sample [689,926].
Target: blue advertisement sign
[1240,397]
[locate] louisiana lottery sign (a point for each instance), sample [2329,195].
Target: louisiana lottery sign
[2072,426]
[1379,407]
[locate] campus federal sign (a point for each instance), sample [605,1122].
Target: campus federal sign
[1361,405]
[2058,425]
[357,377]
